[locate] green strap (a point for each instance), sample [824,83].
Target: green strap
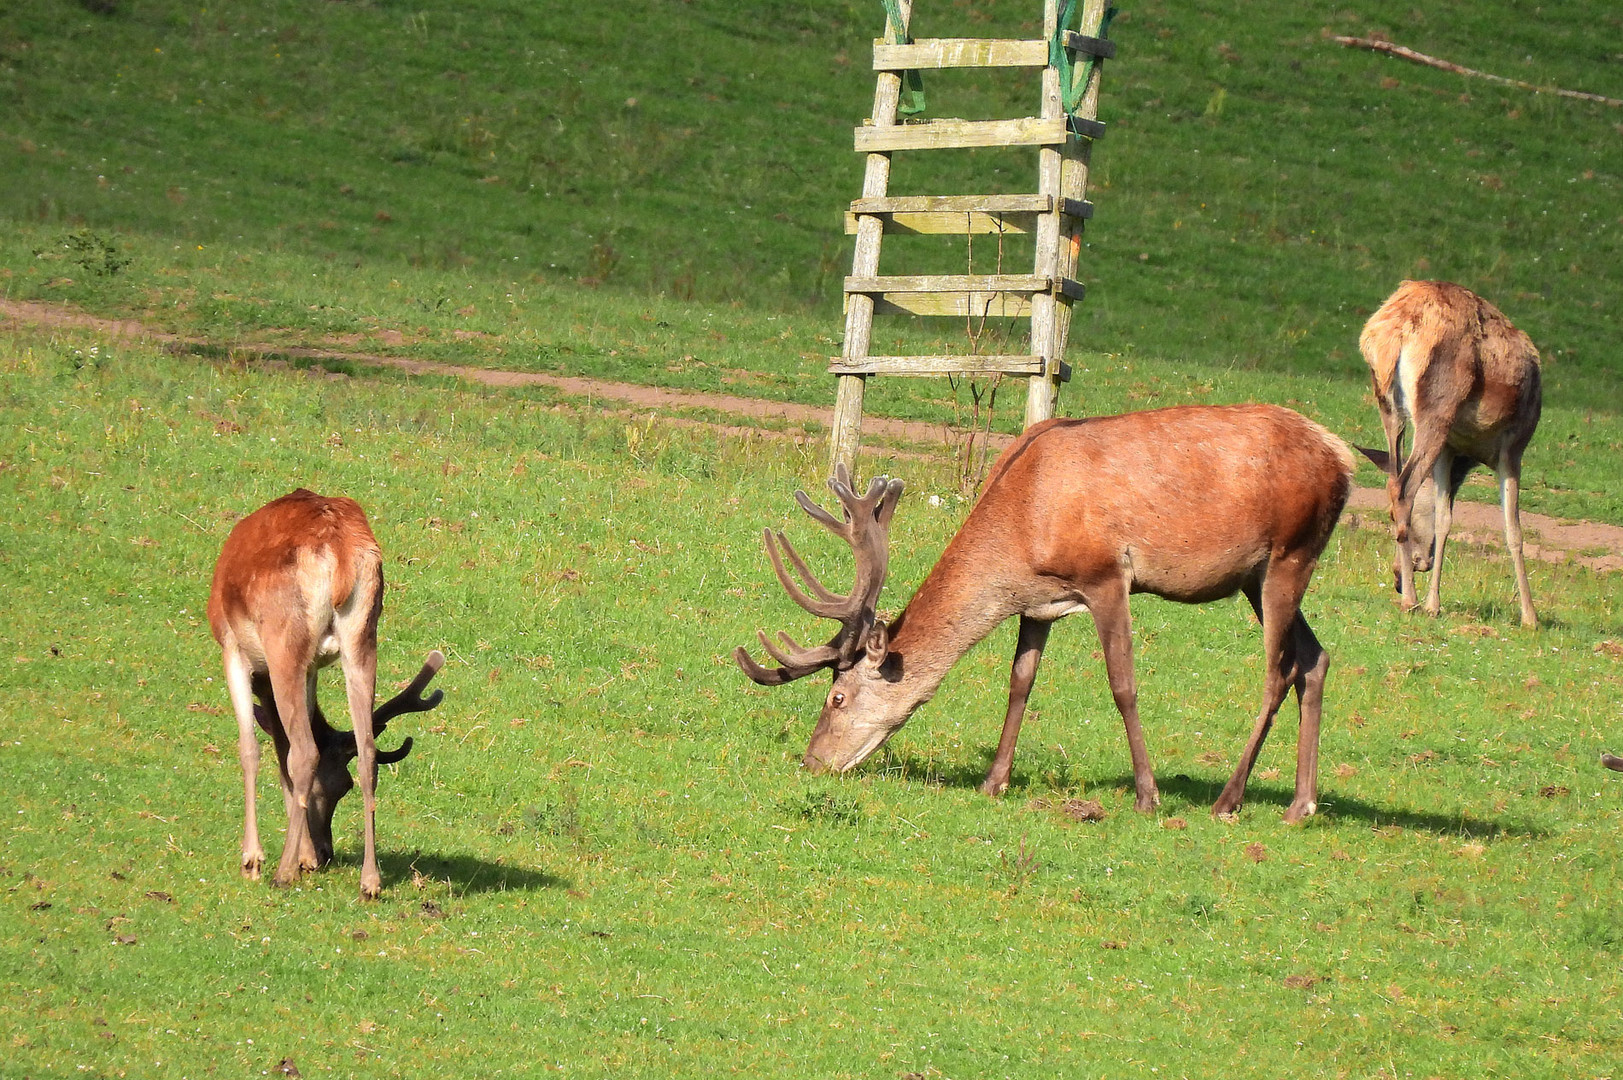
[1072,89]
[912,100]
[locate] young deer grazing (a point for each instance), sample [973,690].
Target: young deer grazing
[1448,362]
[299,584]
[1192,504]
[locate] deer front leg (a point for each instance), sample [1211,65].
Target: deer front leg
[1313,667]
[1028,653]
[238,682]
[1509,499]
[1113,621]
[1270,602]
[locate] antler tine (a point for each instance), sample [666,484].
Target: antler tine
[826,604]
[411,699]
[796,665]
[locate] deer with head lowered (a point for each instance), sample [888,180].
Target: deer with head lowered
[1450,363]
[1192,504]
[299,584]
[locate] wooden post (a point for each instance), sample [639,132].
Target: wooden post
[1074,174]
[847,431]
[1043,389]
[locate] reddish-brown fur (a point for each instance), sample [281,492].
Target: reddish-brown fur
[1192,504]
[299,583]
[1448,362]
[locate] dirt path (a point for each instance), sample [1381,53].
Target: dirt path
[1548,539]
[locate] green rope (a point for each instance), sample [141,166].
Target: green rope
[1072,89]
[912,100]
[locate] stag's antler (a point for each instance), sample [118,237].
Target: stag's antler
[409,700]
[867,529]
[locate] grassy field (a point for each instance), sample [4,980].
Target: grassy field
[602,856]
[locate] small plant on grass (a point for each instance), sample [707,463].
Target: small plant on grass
[91,252]
[1019,870]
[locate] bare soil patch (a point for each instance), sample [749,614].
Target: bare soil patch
[1548,539]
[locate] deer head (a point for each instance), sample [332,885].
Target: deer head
[337,748]
[1421,527]
[856,719]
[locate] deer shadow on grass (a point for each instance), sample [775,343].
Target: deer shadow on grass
[464,873]
[1334,806]
[1202,793]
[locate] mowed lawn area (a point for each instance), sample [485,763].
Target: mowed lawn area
[602,855]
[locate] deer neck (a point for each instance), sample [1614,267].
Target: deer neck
[957,606]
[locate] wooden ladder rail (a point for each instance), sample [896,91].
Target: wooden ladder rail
[1055,214]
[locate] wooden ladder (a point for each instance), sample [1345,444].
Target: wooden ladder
[1055,215]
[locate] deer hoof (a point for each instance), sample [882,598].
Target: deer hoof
[1299,812]
[1146,804]
[371,890]
[994,788]
[251,865]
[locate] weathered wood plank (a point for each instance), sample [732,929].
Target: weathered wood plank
[954,203]
[938,365]
[962,134]
[950,223]
[959,53]
[976,305]
[948,283]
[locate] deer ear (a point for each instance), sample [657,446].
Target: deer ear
[876,646]
[1381,458]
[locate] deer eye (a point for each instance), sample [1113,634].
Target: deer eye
[836,699]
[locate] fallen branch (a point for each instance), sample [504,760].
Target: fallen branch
[1376,45]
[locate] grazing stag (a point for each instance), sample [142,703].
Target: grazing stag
[1448,362]
[1192,504]
[299,584]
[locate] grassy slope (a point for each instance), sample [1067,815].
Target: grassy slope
[1260,191]
[601,854]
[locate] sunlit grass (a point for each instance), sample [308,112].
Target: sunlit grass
[602,853]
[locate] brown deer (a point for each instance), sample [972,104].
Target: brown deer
[299,584]
[1192,504]
[1450,363]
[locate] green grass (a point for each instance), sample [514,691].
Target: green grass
[514,186]
[602,854]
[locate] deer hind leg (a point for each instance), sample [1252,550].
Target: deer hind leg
[1510,475]
[1442,520]
[358,655]
[1276,602]
[1113,621]
[287,672]
[1028,653]
[238,682]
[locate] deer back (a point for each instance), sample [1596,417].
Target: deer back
[1434,341]
[287,567]
[1187,501]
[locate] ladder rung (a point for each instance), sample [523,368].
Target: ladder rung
[961,215]
[962,134]
[959,53]
[950,283]
[936,365]
[992,204]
